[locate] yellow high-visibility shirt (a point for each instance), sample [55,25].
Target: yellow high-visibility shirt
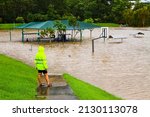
[40,59]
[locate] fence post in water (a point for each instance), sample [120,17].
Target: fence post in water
[10,34]
[104,34]
[22,35]
[93,46]
[91,33]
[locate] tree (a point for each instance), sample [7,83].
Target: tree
[1,20]
[61,28]
[49,32]
[20,20]
[143,15]
[74,23]
[52,13]
[128,16]
[118,6]
[90,20]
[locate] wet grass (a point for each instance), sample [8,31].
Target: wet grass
[108,24]
[86,91]
[9,26]
[17,80]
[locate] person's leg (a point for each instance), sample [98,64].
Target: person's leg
[47,79]
[39,77]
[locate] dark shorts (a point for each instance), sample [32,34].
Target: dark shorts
[42,71]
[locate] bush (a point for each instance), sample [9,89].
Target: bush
[36,17]
[90,20]
[20,20]
[40,17]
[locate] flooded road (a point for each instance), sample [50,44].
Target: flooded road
[122,69]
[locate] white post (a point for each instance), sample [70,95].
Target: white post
[104,32]
[91,33]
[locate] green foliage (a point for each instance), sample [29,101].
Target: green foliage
[20,20]
[90,20]
[73,21]
[118,7]
[86,91]
[127,14]
[43,33]
[17,80]
[30,17]
[60,27]
[52,13]
[139,16]
[36,17]
[39,17]
[98,10]
[66,16]
[1,20]
[49,32]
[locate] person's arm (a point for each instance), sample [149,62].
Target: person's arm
[45,63]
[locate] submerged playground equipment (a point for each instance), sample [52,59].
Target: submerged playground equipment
[105,35]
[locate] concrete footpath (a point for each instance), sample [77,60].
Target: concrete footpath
[59,90]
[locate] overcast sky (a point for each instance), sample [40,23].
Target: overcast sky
[145,0]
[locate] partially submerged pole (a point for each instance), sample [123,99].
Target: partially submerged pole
[10,34]
[93,46]
[80,35]
[22,35]
[91,33]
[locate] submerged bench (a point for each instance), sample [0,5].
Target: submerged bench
[121,38]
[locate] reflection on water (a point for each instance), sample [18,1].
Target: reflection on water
[42,90]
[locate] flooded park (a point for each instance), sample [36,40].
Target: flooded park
[121,68]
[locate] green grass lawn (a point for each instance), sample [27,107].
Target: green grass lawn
[107,24]
[9,26]
[13,25]
[17,80]
[85,91]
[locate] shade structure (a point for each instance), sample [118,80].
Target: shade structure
[50,24]
[37,25]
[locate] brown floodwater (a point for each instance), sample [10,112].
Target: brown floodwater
[121,68]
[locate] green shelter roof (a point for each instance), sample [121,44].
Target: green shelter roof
[50,24]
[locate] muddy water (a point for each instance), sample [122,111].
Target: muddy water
[122,69]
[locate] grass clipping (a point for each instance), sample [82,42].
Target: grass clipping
[85,91]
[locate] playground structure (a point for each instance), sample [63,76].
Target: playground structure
[105,35]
